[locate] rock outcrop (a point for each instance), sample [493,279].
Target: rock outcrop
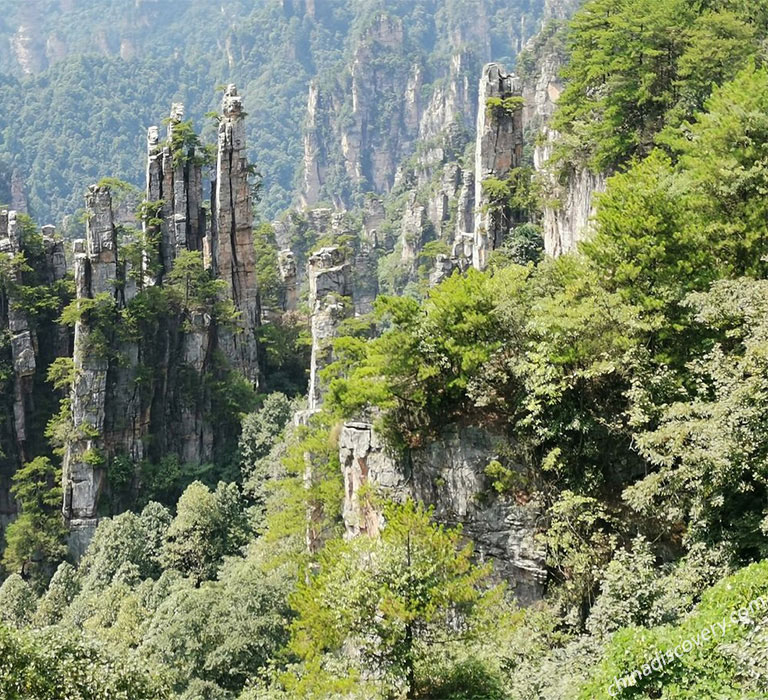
[449,474]
[498,150]
[96,277]
[569,196]
[464,234]
[32,343]
[145,396]
[174,175]
[330,292]
[232,255]
[301,230]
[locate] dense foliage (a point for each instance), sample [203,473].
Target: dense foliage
[628,381]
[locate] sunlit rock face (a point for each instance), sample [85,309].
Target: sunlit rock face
[498,151]
[448,473]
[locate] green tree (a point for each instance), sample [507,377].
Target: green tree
[401,600]
[128,538]
[35,540]
[17,602]
[708,451]
[208,526]
[61,665]
[723,157]
[61,591]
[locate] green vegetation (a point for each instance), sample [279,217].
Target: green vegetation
[108,71]
[499,107]
[626,385]
[640,69]
[403,600]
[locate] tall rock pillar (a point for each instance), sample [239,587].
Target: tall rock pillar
[21,336]
[232,255]
[174,175]
[95,273]
[330,292]
[498,151]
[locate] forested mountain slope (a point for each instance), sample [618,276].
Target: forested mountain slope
[482,416]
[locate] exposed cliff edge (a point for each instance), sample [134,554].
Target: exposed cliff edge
[568,191]
[498,151]
[449,474]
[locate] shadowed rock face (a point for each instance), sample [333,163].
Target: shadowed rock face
[177,180]
[30,348]
[449,474]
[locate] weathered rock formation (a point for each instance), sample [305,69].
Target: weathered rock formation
[464,235]
[95,274]
[449,474]
[174,175]
[32,343]
[330,292]
[145,395]
[232,254]
[300,231]
[570,198]
[286,262]
[498,150]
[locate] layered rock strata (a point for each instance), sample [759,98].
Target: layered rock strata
[330,298]
[27,352]
[146,396]
[232,255]
[174,176]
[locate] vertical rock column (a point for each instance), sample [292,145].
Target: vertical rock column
[232,254]
[174,175]
[95,273]
[498,150]
[56,269]
[330,289]
[22,339]
[286,263]
[461,251]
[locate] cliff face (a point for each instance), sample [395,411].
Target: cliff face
[363,120]
[150,334]
[30,342]
[232,256]
[570,194]
[449,474]
[95,274]
[363,149]
[498,150]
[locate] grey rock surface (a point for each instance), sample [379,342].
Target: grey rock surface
[448,473]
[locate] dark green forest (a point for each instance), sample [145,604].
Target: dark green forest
[629,378]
